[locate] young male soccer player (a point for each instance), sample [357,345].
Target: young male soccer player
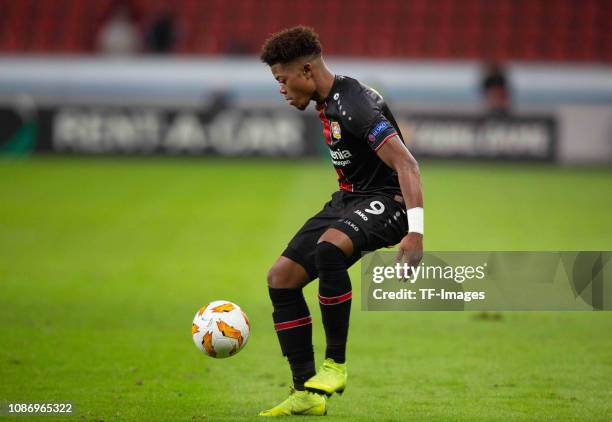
[379,204]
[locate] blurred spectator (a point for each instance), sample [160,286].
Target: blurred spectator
[216,102]
[119,35]
[495,90]
[161,35]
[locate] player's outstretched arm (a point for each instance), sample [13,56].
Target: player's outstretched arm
[395,154]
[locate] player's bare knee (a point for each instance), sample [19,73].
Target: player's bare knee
[279,277]
[287,274]
[274,277]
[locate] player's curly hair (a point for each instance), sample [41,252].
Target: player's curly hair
[290,44]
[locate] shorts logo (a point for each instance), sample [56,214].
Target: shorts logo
[362,215]
[335,129]
[350,224]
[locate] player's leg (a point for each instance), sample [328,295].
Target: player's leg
[333,258]
[291,316]
[293,326]
[335,291]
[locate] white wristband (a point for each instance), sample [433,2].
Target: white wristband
[415,220]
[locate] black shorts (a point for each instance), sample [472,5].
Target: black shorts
[371,221]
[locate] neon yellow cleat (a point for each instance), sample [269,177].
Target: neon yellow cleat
[330,379]
[300,403]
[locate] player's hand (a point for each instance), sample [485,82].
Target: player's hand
[411,249]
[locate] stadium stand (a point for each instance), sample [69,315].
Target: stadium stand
[533,30]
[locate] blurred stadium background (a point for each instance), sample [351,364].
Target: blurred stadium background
[112,234]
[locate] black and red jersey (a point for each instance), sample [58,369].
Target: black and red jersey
[356,123]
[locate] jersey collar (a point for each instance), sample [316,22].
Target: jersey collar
[321,105]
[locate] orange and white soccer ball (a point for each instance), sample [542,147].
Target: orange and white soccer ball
[220,329]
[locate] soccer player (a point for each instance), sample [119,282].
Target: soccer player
[379,204]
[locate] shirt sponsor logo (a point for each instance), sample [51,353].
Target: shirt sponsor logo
[335,129]
[340,155]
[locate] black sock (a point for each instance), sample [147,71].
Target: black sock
[335,298]
[293,326]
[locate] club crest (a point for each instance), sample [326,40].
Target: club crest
[335,129]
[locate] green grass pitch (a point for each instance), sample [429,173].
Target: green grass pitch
[103,263]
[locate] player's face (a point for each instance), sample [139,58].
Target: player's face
[296,83]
